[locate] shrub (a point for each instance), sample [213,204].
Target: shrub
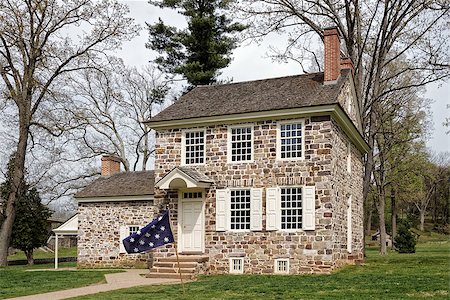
[405,242]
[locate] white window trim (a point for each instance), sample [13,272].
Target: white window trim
[280,208]
[183,146]
[125,233]
[278,157]
[275,266]
[229,143]
[232,271]
[229,209]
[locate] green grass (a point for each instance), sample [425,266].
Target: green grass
[18,281]
[62,252]
[424,274]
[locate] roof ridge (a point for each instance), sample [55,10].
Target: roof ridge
[263,79]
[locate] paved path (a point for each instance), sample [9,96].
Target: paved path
[115,281]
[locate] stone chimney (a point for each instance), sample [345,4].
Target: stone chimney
[333,63]
[110,165]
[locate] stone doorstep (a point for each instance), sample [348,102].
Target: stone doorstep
[184,258]
[172,270]
[175,264]
[170,275]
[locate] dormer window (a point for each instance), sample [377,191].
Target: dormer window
[290,140]
[193,152]
[240,144]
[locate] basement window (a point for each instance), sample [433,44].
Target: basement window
[281,266]
[237,265]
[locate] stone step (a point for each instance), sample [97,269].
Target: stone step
[172,270]
[183,258]
[175,264]
[169,275]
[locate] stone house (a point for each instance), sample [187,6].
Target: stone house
[260,177]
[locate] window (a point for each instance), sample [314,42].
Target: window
[290,140]
[240,144]
[193,147]
[291,208]
[192,195]
[240,210]
[133,229]
[281,266]
[237,265]
[349,158]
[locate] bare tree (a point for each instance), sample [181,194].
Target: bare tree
[36,54]
[112,103]
[386,40]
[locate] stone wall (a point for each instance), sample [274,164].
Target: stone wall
[309,251]
[99,232]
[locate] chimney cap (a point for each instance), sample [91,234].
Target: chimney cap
[110,157]
[331,31]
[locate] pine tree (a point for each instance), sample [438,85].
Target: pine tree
[203,48]
[30,224]
[405,242]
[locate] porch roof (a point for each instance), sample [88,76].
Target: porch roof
[184,177]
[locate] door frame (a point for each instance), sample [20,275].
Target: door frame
[182,200]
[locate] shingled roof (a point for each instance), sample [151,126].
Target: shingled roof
[254,96]
[121,184]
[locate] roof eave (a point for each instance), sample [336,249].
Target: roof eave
[145,197]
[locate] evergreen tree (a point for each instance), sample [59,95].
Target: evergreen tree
[30,224]
[203,48]
[405,242]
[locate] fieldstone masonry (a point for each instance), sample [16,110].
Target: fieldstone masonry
[324,165]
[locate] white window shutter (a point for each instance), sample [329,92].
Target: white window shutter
[272,208]
[221,209]
[256,210]
[123,231]
[309,208]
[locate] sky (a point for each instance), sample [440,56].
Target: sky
[251,62]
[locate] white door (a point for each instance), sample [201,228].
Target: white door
[192,226]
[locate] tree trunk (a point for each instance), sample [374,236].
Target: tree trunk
[422,219]
[382,228]
[394,216]
[30,259]
[16,186]
[369,220]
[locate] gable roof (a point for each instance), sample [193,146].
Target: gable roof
[121,184]
[184,177]
[254,96]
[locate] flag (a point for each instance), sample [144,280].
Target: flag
[157,233]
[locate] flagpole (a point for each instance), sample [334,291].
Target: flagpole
[176,252]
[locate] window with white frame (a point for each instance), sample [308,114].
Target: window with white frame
[240,144]
[125,231]
[290,140]
[133,229]
[291,208]
[240,209]
[281,266]
[194,147]
[237,265]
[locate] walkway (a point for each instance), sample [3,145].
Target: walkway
[115,281]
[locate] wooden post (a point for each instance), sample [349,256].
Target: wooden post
[56,251]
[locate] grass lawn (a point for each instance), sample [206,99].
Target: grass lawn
[424,274]
[62,252]
[17,281]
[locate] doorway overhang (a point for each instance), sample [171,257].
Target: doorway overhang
[184,177]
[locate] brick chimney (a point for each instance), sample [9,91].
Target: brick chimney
[333,63]
[110,165]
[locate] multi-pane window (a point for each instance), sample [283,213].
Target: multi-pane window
[291,208]
[194,147]
[133,229]
[282,266]
[192,195]
[290,140]
[240,210]
[241,144]
[237,265]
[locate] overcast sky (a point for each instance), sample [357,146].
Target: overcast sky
[250,62]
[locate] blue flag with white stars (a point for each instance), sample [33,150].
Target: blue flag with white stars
[157,233]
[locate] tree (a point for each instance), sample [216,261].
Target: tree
[388,41]
[405,242]
[30,224]
[113,102]
[36,54]
[203,48]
